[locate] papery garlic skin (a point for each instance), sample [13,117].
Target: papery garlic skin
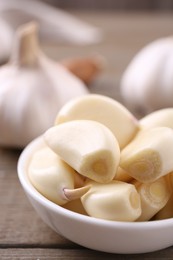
[50,175]
[149,156]
[118,201]
[87,146]
[104,110]
[33,89]
[85,68]
[146,84]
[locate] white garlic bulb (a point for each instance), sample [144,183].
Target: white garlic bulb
[33,89]
[147,83]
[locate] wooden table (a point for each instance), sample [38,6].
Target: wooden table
[23,235]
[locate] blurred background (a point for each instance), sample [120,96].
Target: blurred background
[125,27]
[126,5]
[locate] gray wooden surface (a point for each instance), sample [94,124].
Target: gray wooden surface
[22,234]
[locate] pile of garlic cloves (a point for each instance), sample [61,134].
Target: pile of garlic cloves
[32,89]
[120,168]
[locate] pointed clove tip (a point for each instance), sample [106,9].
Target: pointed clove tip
[73,194]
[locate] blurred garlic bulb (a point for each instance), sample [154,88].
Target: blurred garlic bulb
[55,24]
[33,89]
[147,83]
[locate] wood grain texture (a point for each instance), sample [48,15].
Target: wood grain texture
[75,254]
[23,235]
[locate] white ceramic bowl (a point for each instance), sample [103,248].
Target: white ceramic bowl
[98,234]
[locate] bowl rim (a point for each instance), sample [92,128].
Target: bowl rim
[32,192]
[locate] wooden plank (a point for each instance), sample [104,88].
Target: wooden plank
[74,254]
[19,223]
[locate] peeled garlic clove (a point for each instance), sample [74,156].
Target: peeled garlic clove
[79,180]
[85,68]
[33,89]
[146,84]
[50,175]
[122,175]
[167,211]
[154,197]
[87,146]
[104,110]
[162,117]
[118,201]
[149,156]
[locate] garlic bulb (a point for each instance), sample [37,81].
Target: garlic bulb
[33,89]
[147,83]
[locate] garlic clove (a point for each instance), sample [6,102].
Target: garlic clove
[50,175]
[149,156]
[39,86]
[104,110]
[116,200]
[146,84]
[74,194]
[154,196]
[162,117]
[75,206]
[79,180]
[167,211]
[122,175]
[87,146]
